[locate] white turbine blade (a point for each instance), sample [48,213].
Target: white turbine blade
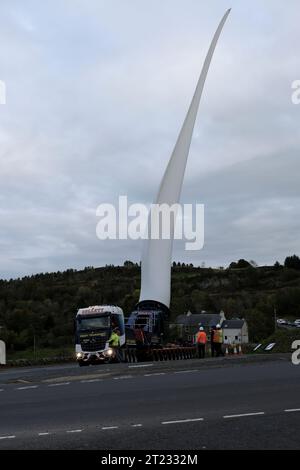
[157,254]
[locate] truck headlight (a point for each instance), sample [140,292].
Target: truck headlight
[79,355]
[109,352]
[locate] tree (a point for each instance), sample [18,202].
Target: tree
[292,262]
[260,323]
[242,263]
[232,265]
[253,263]
[128,264]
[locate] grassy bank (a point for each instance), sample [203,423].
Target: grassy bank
[283,339]
[40,356]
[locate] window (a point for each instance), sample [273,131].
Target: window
[236,337]
[91,323]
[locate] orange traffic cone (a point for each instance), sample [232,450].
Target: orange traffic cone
[234,350]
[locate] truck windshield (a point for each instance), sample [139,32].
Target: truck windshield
[93,323]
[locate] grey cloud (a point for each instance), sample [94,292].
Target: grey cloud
[96,94]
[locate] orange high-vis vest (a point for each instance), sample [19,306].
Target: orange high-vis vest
[218,336]
[201,337]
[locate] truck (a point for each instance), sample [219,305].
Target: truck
[149,316]
[93,327]
[146,328]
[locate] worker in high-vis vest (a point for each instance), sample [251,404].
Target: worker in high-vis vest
[114,343]
[218,340]
[201,342]
[114,339]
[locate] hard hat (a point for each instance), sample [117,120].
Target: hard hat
[201,328]
[218,325]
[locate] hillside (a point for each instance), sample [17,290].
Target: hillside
[43,306]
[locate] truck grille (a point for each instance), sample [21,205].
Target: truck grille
[94,344]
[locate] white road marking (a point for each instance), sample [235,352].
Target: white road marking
[123,377]
[109,427]
[183,421]
[7,437]
[44,433]
[154,373]
[141,365]
[75,430]
[292,410]
[27,387]
[244,415]
[136,425]
[90,381]
[186,371]
[59,384]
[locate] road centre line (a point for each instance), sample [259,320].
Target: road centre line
[122,377]
[182,421]
[186,371]
[27,387]
[90,381]
[154,373]
[59,384]
[243,415]
[139,425]
[140,365]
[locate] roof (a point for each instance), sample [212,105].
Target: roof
[205,319]
[98,309]
[235,323]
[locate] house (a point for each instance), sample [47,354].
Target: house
[235,331]
[188,325]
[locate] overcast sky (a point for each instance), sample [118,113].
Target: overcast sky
[97,91]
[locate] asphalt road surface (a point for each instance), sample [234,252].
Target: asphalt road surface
[232,406]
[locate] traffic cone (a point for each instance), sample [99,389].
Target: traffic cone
[226,351]
[234,350]
[240,349]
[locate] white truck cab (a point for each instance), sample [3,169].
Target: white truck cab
[94,326]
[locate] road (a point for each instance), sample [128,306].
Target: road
[240,405]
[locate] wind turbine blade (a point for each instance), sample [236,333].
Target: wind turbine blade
[157,253]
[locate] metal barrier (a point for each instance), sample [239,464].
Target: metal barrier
[162,354]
